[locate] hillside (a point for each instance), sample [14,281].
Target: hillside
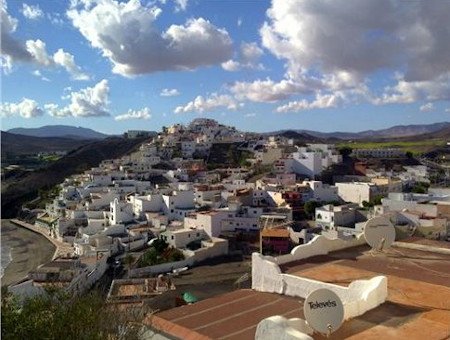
[66,131]
[418,144]
[300,136]
[16,192]
[392,132]
[14,144]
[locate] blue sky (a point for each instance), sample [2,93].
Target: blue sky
[345,65]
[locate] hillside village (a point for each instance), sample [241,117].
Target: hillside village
[208,191]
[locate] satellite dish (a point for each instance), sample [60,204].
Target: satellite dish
[324,311]
[379,233]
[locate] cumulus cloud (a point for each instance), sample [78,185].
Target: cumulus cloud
[427,107]
[126,34]
[271,91]
[359,37]
[169,93]
[32,51]
[87,102]
[410,92]
[213,102]
[32,12]
[135,114]
[248,57]
[67,61]
[11,48]
[27,108]
[37,49]
[320,102]
[345,42]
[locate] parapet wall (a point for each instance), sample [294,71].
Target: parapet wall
[359,297]
[319,245]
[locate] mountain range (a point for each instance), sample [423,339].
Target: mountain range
[65,131]
[392,132]
[72,132]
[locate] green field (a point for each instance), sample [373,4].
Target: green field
[416,147]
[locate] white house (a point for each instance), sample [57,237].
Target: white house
[357,192]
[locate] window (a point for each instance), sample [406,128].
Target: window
[189,235]
[172,237]
[198,234]
[171,210]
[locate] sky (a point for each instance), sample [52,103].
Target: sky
[324,65]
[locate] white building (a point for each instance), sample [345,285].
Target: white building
[357,192]
[322,192]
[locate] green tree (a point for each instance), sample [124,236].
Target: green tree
[160,245]
[57,315]
[345,151]
[310,208]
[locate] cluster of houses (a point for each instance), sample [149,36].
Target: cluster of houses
[164,191]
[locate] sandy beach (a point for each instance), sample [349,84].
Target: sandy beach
[29,250]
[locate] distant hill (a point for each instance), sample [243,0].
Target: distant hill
[13,144]
[300,136]
[17,192]
[65,131]
[392,132]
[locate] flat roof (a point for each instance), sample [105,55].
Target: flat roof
[418,303]
[266,232]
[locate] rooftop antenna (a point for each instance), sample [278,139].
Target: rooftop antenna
[379,233]
[324,311]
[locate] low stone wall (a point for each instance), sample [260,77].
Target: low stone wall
[161,268]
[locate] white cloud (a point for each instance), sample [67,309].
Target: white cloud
[88,102]
[169,93]
[32,51]
[320,102]
[127,36]
[135,114]
[32,12]
[213,102]
[248,57]
[180,5]
[410,92]
[38,74]
[359,36]
[37,49]
[67,61]
[345,42]
[427,107]
[447,110]
[270,91]
[11,49]
[250,115]
[239,22]
[27,108]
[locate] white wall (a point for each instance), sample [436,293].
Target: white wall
[359,297]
